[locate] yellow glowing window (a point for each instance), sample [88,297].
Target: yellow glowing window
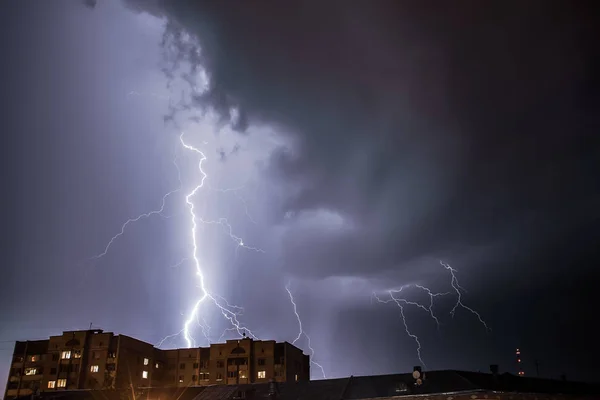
[262,374]
[62,383]
[51,384]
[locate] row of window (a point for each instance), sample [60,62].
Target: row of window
[61,383]
[219,363]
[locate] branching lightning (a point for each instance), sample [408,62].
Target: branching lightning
[228,311]
[401,302]
[457,288]
[302,332]
[142,216]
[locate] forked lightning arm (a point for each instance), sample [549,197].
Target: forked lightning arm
[301,332]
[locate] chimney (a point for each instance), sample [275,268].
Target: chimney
[494,369]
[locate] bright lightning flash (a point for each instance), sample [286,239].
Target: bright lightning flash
[302,332]
[227,310]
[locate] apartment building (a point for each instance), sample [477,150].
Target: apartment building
[94,359]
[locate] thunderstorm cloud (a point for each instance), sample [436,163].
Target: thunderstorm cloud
[355,143]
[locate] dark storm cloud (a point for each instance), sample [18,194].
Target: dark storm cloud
[431,127]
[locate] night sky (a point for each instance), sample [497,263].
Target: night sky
[355,144]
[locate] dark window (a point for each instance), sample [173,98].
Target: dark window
[194,377]
[262,361]
[110,367]
[196,365]
[204,364]
[100,344]
[220,364]
[182,366]
[54,356]
[232,374]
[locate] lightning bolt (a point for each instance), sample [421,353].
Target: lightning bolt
[457,288]
[224,307]
[400,303]
[302,332]
[142,216]
[431,297]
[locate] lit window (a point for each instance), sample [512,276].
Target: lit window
[243,375]
[34,358]
[94,368]
[30,371]
[65,355]
[262,374]
[51,384]
[77,354]
[219,376]
[156,365]
[146,361]
[145,374]
[62,383]
[180,378]
[296,376]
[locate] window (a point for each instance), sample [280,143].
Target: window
[146,361]
[112,354]
[54,356]
[196,365]
[145,374]
[262,361]
[156,366]
[194,377]
[296,377]
[180,378]
[65,355]
[205,376]
[30,371]
[61,383]
[34,358]
[278,374]
[220,364]
[219,376]
[51,384]
[231,374]
[243,375]
[76,353]
[262,374]
[94,368]
[182,366]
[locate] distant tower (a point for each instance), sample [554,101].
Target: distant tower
[520,371]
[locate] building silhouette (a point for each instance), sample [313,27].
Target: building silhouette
[97,360]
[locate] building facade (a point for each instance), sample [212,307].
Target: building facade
[94,360]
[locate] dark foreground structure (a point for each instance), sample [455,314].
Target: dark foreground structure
[100,361]
[434,385]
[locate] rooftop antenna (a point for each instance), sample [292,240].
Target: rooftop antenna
[90,326]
